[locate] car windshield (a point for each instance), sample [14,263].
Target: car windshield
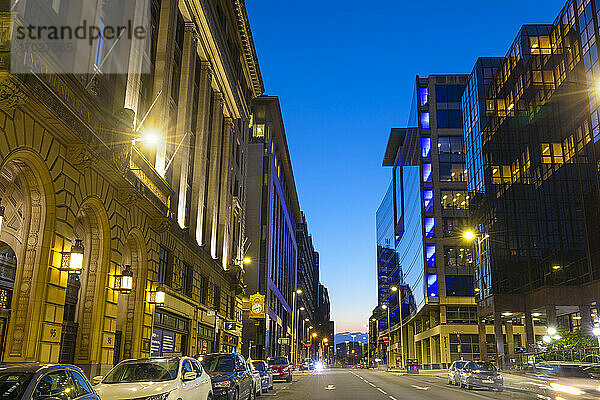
[13,384]
[483,366]
[459,364]
[277,361]
[144,371]
[259,365]
[217,363]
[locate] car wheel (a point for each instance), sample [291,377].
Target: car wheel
[450,382]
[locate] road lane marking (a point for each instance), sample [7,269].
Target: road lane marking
[381,390]
[392,398]
[371,384]
[420,387]
[454,389]
[329,387]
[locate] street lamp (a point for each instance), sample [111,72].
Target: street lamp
[385,307]
[157,296]
[596,332]
[2,209]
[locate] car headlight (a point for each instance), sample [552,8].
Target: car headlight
[162,396]
[557,387]
[223,384]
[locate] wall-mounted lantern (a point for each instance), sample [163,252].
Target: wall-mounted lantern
[72,261]
[124,282]
[157,297]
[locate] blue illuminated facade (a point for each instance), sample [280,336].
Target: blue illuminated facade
[428,260]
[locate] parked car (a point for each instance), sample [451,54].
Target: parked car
[257,380]
[454,372]
[265,374]
[567,380]
[169,378]
[231,377]
[481,374]
[44,381]
[280,366]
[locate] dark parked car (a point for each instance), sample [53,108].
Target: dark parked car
[281,368]
[41,381]
[481,374]
[567,380]
[230,375]
[265,374]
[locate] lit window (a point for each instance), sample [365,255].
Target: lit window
[426,147]
[428,200]
[258,131]
[424,118]
[429,223]
[430,255]
[99,46]
[432,289]
[427,172]
[423,96]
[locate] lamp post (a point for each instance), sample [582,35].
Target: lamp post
[293,349]
[396,289]
[385,307]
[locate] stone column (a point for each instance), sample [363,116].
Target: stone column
[411,340]
[551,316]
[225,195]
[198,200]
[529,332]
[482,338]
[508,326]
[214,179]
[499,339]
[184,118]
[586,318]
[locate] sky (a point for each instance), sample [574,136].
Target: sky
[344,72]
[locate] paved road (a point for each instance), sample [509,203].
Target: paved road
[345,384]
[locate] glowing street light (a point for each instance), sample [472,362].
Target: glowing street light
[299,291]
[72,261]
[394,288]
[314,334]
[247,260]
[124,282]
[469,235]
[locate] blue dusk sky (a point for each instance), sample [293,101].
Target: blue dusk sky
[344,72]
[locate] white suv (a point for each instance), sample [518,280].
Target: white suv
[155,379]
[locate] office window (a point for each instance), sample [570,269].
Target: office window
[461,315]
[428,200]
[216,297]
[454,200]
[203,283]
[452,172]
[448,93]
[429,227]
[449,119]
[432,287]
[187,276]
[454,226]
[451,145]
[424,118]
[427,172]
[164,266]
[430,255]
[457,256]
[459,285]
[99,46]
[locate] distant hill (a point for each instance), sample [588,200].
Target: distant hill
[361,337]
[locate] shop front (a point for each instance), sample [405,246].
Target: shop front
[206,339]
[169,335]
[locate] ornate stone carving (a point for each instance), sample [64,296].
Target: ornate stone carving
[80,157]
[11,95]
[128,198]
[160,225]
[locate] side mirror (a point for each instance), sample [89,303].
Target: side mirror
[189,376]
[97,379]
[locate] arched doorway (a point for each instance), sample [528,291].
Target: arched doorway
[128,334]
[26,236]
[84,302]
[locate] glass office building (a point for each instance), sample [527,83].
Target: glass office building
[530,130]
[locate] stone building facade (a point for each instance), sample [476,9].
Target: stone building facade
[74,165]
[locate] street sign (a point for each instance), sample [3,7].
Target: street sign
[307,344]
[283,340]
[229,326]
